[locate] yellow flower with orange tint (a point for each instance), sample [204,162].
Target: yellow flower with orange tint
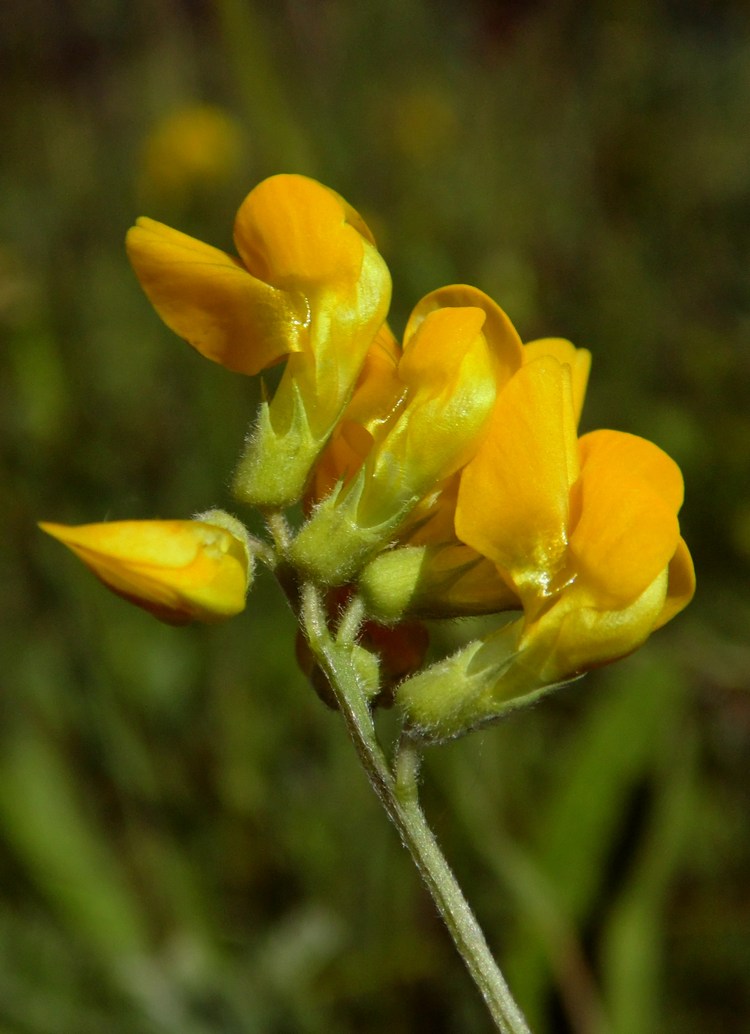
[309,287]
[458,348]
[573,526]
[585,534]
[180,571]
[432,573]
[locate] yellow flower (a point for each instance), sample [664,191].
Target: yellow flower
[432,573]
[309,287]
[458,347]
[586,532]
[180,571]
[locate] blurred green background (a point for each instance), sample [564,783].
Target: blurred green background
[186,841]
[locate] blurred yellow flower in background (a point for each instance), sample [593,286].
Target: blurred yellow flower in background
[194,147]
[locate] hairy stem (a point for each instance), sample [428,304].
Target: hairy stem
[399,795]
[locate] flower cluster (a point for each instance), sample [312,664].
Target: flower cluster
[442,476]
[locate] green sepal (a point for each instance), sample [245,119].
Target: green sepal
[414,581]
[332,547]
[275,466]
[481,683]
[390,582]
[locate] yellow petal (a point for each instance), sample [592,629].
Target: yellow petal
[617,450]
[448,373]
[575,636]
[375,401]
[378,391]
[354,218]
[206,297]
[292,231]
[628,531]
[681,586]
[432,521]
[305,240]
[500,334]
[456,581]
[434,354]
[513,498]
[180,571]
[578,359]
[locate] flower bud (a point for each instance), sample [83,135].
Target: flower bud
[180,571]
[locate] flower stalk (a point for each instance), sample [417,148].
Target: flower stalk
[398,791]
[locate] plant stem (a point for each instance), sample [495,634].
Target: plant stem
[399,796]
